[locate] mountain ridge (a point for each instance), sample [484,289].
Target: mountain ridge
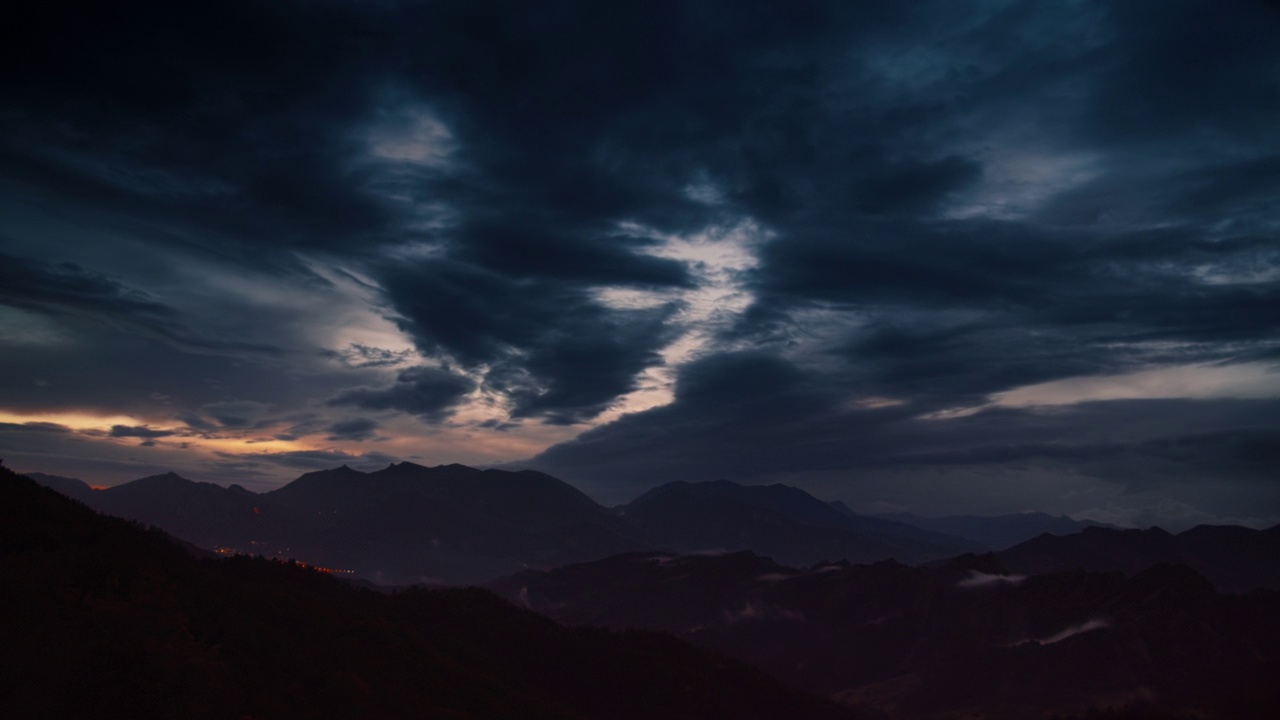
[1236,559]
[453,524]
[965,638]
[997,532]
[780,521]
[403,524]
[105,619]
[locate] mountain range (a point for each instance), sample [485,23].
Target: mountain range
[966,638]
[104,619]
[404,524]
[451,524]
[1102,623]
[995,532]
[777,521]
[1235,559]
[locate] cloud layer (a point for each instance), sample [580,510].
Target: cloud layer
[988,255]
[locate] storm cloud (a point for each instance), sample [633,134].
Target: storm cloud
[929,256]
[424,391]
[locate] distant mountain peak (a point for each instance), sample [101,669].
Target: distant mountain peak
[168,477]
[342,471]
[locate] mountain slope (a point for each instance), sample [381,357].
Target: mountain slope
[409,523]
[204,514]
[103,619]
[452,524]
[1235,559]
[71,487]
[964,639]
[401,525]
[997,532]
[784,523]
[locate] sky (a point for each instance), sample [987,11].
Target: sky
[943,257]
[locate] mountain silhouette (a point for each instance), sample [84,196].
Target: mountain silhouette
[777,521]
[1233,558]
[105,619]
[452,524]
[964,638]
[204,514]
[71,487]
[996,532]
[118,617]
[404,524]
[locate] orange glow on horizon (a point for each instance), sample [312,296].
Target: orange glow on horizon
[235,441]
[188,449]
[73,420]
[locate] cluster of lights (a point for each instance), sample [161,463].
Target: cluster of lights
[281,557]
[321,568]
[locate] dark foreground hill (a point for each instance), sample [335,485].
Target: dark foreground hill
[103,619]
[965,639]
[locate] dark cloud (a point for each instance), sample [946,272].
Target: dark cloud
[770,421]
[535,248]
[740,415]
[915,187]
[73,295]
[1239,189]
[982,264]
[112,371]
[948,201]
[217,115]
[67,289]
[556,352]
[139,431]
[307,426]
[1017,304]
[358,355]
[354,429]
[430,393]
[235,413]
[1178,72]
[195,421]
[36,427]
